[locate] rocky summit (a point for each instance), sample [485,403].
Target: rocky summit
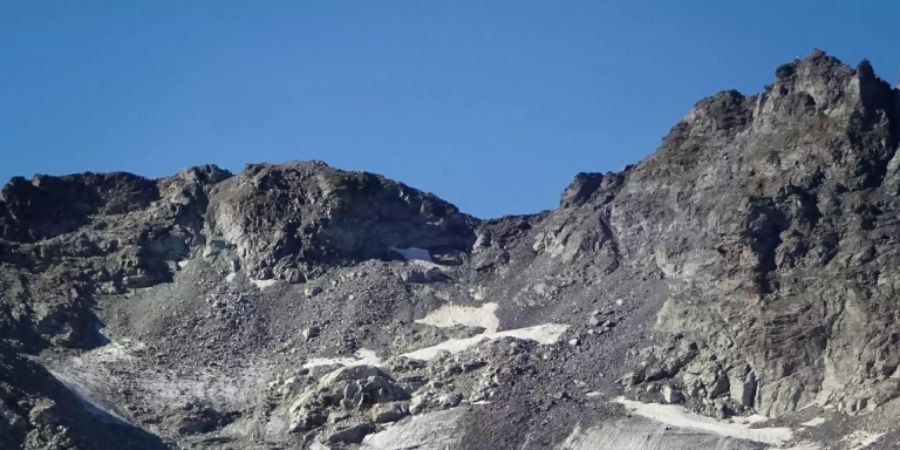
[736,289]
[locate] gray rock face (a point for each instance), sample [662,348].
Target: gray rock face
[69,239]
[389,412]
[776,211]
[49,206]
[293,221]
[748,266]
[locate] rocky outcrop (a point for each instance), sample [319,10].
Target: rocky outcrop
[343,390]
[770,218]
[69,239]
[293,221]
[49,206]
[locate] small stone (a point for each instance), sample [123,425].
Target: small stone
[574,342]
[719,387]
[310,332]
[473,365]
[389,412]
[671,395]
[312,291]
[633,378]
[337,416]
[451,401]
[419,403]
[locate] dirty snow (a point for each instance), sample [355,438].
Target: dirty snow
[91,376]
[748,420]
[678,416]
[413,253]
[112,352]
[362,357]
[105,415]
[642,434]
[545,334]
[484,316]
[814,422]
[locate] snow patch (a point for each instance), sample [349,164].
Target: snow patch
[749,420]
[484,316]
[637,433]
[677,416]
[262,284]
[413,253]
[545,334]
[362,357]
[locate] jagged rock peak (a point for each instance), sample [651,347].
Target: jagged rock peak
[810,97]
[587,184]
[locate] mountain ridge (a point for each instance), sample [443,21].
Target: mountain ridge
[745,267]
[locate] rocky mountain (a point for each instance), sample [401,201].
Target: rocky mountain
[736,289]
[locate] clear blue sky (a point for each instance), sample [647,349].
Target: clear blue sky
[493,105]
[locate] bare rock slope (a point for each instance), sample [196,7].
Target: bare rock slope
[736,289]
